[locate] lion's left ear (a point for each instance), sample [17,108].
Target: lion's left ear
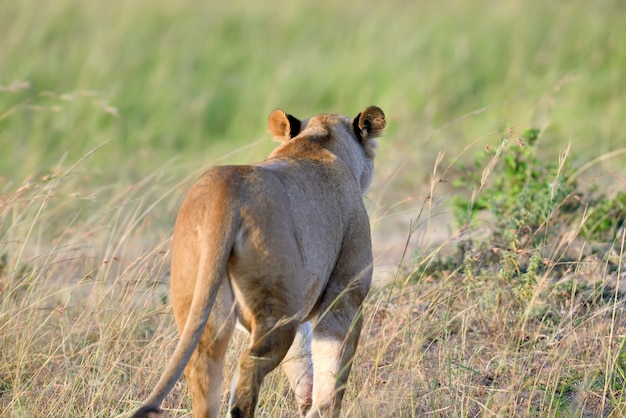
[369,124]
[283,126]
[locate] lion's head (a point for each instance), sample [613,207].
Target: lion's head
[352,140]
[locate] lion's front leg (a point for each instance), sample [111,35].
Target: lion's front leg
[298,366]
[335,339]
[337,329]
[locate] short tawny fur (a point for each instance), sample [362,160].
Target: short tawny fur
[284,248]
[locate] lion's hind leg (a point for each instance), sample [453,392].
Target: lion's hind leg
[269,342]
[204,372]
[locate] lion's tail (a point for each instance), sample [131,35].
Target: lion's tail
[211,269]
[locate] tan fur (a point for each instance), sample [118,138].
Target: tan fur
[284,248]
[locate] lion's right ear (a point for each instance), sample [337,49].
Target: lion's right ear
[283,126]
[369,124]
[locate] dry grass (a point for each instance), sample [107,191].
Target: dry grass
[459,346]
[85,322]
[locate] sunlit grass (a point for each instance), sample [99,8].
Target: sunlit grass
[109,111]
[86,324]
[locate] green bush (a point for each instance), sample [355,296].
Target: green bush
[521,191]
[529,202]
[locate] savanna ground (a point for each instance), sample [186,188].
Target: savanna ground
[497,209]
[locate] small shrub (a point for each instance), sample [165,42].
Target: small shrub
[519,190]
[530,202]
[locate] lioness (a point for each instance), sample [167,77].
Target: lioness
[284,248]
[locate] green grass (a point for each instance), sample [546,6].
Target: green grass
[110,110]
[162,80]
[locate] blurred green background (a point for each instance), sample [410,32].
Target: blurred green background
[192,80]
